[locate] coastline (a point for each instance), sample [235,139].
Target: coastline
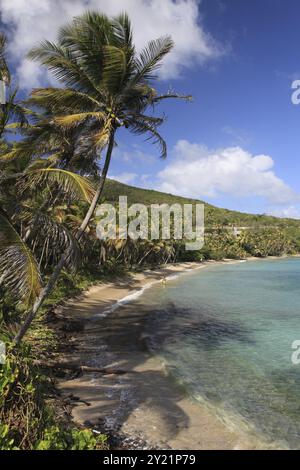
[144,403]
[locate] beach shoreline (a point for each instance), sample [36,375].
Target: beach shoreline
[142,404]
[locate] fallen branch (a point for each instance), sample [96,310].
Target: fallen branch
[73,398]
[79,368]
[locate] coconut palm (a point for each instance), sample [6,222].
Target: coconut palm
[10,109]
[4,70]
[19,272]
[62,147]
[19,268]
[107,86]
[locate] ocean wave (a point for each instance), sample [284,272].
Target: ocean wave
[138,293]
[125,300]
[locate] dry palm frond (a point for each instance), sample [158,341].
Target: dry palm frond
[57,99]
[101,138]
[76,119]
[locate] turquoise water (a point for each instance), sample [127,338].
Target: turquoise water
[226,333]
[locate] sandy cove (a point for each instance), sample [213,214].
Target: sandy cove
[143,403]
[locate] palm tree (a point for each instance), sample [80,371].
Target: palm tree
[10,109]
[19,270]
[4,70]
[63,147]
[107,86]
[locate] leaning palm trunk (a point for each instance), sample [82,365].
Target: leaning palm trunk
[106,85]
[56,273]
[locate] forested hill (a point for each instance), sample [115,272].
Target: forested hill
[214,216]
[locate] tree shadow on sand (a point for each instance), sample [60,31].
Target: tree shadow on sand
[120,340]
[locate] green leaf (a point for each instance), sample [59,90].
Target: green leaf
[18,268]
[72,184]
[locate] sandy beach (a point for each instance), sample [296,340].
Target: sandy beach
[143,402]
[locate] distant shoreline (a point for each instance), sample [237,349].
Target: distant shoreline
[101,343]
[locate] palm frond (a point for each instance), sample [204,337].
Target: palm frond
[118,63]
[72,184]
[86,33]
[123,32]
[72,120]
[20,152]
[114,68]
[58,99]
[150,58]
[11,155]
[101,136]
[152,120]
[85,37]
[171,95]
[141,126]
[19,272]
[56,239]
[60,61]
[4,146]
[136,98]
[12,110]
[18,112]
[38,163]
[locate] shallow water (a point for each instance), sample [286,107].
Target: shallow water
[226,334]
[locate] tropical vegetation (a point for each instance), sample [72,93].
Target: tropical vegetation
[46,204]
[55,152]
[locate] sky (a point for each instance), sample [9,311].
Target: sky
[237,144]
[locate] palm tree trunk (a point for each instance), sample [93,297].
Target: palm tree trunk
[56,273]
[144,256]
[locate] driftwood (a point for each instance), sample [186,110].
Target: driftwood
[79,368]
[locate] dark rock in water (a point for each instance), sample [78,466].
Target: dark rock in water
[72,327]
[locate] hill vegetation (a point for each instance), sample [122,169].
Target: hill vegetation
[213,215]
[228,233]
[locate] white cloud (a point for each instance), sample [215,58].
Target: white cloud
[133,155]
[126,178]
[199,172]
[239,136]
[290,212]
[31,21]
[30,75]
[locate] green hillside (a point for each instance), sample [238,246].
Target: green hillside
[213,215]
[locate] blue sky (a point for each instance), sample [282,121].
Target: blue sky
[237,145]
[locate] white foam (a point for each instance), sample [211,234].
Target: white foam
[125,300]
[136,294]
